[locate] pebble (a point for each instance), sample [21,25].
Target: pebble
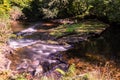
[30,69]
[39,70]
[35,62]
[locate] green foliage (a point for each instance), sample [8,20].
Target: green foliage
[70,74]
[71,69]
[106,8]
[65,8]
[81,27]
[39,8]
[100,8]
[21,3]
[19,77]
[4,21]
[73,27]
[5,30]
[113,11]
[77,7]
[4,9]
[61,71]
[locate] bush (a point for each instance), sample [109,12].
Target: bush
[108,9]
[5,31]
[15,13]
[21,3]
[4,9]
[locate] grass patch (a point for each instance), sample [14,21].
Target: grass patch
[83,26]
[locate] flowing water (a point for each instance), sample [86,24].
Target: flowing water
[35,55]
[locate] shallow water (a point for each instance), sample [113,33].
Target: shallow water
[31,53]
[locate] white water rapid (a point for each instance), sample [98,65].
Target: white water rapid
[37,53]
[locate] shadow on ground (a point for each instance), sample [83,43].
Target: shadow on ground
[100,48]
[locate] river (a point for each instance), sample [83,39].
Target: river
[35,55]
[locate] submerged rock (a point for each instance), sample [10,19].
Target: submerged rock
[39,57]
[35,56]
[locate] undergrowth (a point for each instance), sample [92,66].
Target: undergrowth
[106,72]
[5,31]
[80,27]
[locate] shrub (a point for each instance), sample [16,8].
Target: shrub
[15,13]
[66,8]
[108,9]
[5,31]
